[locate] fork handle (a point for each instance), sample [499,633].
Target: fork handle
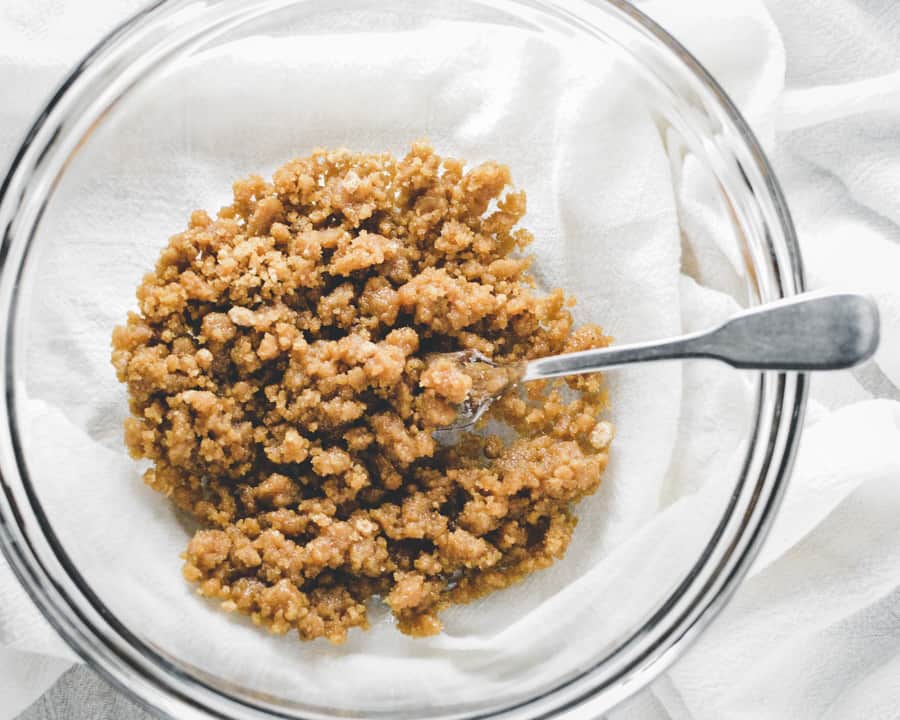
[813,331]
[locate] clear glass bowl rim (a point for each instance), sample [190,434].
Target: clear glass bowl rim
[64,598]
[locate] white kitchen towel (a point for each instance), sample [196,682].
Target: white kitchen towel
[824,589]
[813,633]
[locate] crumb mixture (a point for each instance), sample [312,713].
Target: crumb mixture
[280,387]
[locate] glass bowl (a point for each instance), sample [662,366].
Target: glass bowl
[650,200]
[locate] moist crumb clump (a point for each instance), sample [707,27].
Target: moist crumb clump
[279,384]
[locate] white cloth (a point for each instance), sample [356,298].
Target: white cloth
[812,633]
[38,42]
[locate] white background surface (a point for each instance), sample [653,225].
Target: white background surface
[814,632]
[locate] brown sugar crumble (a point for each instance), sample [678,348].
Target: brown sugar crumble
[279,384]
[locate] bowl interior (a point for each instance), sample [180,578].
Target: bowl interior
[634,205]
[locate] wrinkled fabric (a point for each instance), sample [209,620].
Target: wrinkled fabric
[813,632]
